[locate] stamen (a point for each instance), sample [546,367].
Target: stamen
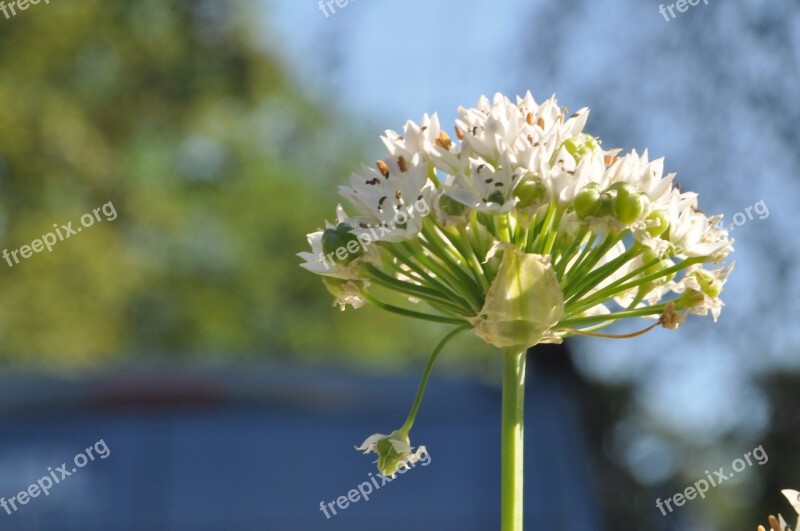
[383,168]
[443,141]
[530,118]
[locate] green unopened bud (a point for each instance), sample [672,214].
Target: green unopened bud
[630,207]
[657,223]
[586,200]
[341,244]
[523,302]
[709,284]
[623,187]
[451,207]
[530,193]
[604,206]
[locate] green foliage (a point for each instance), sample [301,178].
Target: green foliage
[215,163]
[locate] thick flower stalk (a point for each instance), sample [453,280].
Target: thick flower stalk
[522,228]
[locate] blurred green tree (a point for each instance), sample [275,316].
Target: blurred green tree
[217,165]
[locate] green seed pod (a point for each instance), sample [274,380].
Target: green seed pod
[394,451]
[497,197]
[530,193]
[586,201]
[630,207]
[605,205]
[708,282]
[622,188]
[658,223]
[341,244]
[451,207]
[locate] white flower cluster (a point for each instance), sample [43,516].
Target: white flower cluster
[526,174]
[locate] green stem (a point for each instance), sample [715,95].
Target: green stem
[413,290]
[512,440]
[595,277]
[425,375]
[531,232]
[624,314]
[578,272]
[424,276]
[553,232]
[411,313]
[453,262]
[622,284]
[472,258]
[561,265]
[544,231]
[503,228]
[588,247]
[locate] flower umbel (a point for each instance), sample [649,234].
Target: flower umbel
[579,236]
[523,228]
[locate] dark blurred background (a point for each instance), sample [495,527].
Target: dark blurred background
[185,335]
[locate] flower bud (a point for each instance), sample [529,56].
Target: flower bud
[604,206]
[523,302]
[530,193]
[630,207]
[586,200]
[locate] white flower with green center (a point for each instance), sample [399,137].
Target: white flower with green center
[486,187]
[393,199]
[394,451]
[524,230]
